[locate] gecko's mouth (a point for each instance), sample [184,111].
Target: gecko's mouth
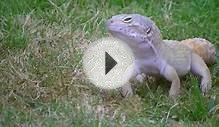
[117,31]
[114,28]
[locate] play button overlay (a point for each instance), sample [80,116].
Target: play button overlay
[108,63]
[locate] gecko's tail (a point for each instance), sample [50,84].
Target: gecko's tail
[203,48]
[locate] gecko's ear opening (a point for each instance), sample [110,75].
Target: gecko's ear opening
[148,31]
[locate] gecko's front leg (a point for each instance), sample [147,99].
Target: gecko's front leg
[171,75]
[126,89]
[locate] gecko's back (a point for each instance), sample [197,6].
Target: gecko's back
[177,55]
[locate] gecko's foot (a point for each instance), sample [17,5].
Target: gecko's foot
[173,98]
[126,94]
[205,86]
[126,90]
[173,94]
[140,77]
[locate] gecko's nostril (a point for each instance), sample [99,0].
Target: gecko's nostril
[109,22]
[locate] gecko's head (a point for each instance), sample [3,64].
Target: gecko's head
[133,27]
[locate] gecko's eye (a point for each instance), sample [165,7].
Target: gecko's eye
[127,19]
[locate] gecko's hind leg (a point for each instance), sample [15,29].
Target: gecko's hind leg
[199,68]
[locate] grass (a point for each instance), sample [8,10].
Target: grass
[42,84]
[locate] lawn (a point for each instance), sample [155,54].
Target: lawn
[42,82]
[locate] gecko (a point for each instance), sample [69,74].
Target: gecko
[155,56]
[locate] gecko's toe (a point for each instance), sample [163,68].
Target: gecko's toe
[205,86]
[173,95]
[126,90]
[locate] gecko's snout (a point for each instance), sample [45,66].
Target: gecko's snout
[109,22]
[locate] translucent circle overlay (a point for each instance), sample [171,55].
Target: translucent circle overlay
[94,63]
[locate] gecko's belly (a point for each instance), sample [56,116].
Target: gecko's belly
[148,67]
[150,70]
[154,67]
